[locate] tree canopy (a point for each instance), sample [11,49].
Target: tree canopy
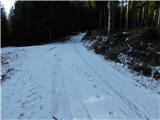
[32,22]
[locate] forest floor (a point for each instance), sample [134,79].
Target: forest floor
[66,81]
[135,53]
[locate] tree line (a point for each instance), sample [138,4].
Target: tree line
[32,22]
[4,28]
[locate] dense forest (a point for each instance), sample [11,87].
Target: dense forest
[32,22]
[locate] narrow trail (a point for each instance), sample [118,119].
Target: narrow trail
[66,81]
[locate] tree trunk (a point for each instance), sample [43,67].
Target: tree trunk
[105,23]
[100,21]
[154,18]
[109,18]
[138,18]
[121,15]
[142,18]
[50,29]
[112,16]
[127,16]
[159,18]
[148,20]
[131,14]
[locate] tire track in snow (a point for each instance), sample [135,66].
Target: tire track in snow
[126,101]
[79,99]
[52,92]
[60,103]
[77,103]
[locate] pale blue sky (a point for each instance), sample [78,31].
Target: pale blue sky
[7,4]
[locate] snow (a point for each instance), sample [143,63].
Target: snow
[66,81]
[125,33]
[124,58]
[127,39]
[149,83]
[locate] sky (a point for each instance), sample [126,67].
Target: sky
[7,5]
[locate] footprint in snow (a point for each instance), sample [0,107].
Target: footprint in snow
[21,115]
[137,85]
[110,113]
[98,96]
[54,118]
[94,86]
[30,90]
[22,106]
[50,49]
[32,94]
[41,107]
[23,103]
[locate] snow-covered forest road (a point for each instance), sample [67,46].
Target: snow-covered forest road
[66,81]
